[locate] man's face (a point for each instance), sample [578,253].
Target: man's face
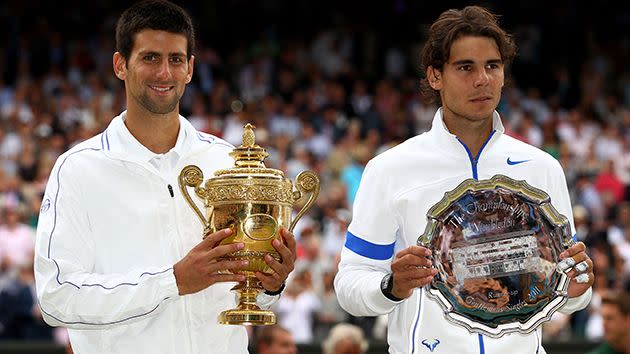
[282,344]
[470,82]
[615,324]
[156,72]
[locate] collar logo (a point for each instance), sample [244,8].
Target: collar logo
[431,345]
[516,162]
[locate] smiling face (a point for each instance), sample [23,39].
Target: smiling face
[156,72]
[471,80]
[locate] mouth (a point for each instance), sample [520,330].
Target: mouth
[481,99]
[161,89]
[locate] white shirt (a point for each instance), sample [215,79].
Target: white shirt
[112,224]
[397,190]
[297,313]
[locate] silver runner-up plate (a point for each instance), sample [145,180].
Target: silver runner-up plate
[495,245]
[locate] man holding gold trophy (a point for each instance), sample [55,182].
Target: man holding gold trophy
[121,257]
[464,235]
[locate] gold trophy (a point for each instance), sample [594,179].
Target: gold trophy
[255,202]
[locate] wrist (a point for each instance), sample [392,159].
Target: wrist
[276,292]
[178,284]
[387,287]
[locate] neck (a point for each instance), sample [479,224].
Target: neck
[473,133]
[157,132]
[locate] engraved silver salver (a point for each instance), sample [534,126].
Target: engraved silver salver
[495,245]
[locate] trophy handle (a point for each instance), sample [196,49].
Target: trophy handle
[306,181]
[191,176]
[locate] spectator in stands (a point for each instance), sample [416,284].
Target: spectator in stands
[275,340]
[345,338]
[298,306]
[330,313]
[615,312]
[20,317]
[17,240]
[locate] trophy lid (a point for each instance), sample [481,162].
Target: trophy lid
[249,157]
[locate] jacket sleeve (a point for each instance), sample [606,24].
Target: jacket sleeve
[367,253]
[69,291]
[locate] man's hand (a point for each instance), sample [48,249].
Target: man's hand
[201,266]
[579,268]
[272,282]
[411,269]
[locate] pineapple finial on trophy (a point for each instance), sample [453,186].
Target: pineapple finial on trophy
[249,139]
[249,155]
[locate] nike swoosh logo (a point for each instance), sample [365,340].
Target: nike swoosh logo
[510,162]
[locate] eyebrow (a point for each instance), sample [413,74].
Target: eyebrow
[469,61]
[172,54]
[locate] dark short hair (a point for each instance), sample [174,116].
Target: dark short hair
[158,15]
[266,335]
[450,26]
[619,299]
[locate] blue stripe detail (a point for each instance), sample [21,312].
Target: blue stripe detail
[482,350]
[474,160]
[107,139]
[575,239]
[369,249]
[415,325]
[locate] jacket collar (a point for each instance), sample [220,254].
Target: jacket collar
[447,140]
[117,141]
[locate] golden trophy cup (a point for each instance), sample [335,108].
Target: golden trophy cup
[255,202]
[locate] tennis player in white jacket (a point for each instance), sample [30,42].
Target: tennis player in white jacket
[382,270]
[119,258]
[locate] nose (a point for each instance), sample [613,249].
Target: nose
[482,78]
[163,71]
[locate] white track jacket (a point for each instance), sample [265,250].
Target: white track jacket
[111,227]
[397,190]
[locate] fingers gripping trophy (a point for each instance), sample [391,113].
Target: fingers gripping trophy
[255,202]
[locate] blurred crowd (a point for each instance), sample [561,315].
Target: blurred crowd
[328,103]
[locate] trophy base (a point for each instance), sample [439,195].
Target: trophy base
[247,317]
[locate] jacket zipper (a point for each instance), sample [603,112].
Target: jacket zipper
[185,301]
[475,160]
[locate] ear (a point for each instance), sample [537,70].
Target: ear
[191,65]
[434,76]
[120,67]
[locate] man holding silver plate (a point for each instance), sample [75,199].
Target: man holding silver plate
[463,234]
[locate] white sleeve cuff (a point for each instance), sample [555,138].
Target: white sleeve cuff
[168,285]
[375,297]
[577,303]
[266,301]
